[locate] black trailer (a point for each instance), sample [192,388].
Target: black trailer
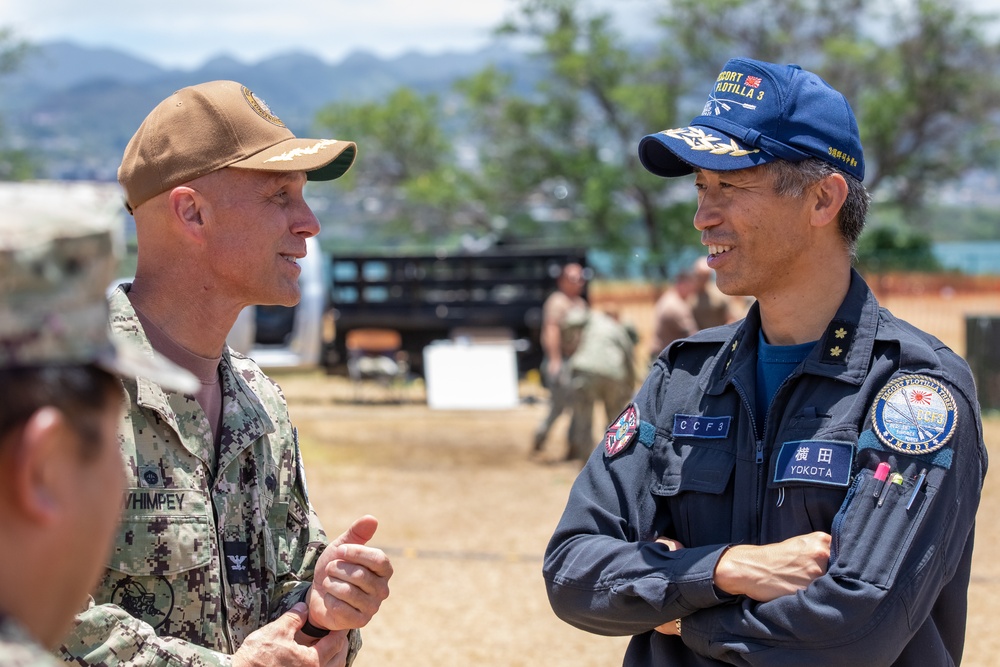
[428,297]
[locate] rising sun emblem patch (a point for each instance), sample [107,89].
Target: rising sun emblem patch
[914,414]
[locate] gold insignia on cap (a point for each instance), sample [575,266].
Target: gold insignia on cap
[261,108]
[699,140]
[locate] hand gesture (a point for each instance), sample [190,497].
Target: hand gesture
[351,580]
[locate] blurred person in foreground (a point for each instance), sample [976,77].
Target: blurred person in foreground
[673,317]
[601,370]
[556,349]
[800,487]
[220,558]
[60,469]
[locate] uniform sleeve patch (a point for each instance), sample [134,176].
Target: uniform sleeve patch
[942,458]
[825,462]
[697,426]
[622,431]
[914,414]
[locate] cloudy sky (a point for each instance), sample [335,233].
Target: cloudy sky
[184,33]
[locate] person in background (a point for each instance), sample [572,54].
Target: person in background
[61,475]
[709,306]
[672,315]
[567,297]
[220,558]
[799,487]
[601,370]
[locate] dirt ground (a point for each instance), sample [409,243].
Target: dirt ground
[465,516]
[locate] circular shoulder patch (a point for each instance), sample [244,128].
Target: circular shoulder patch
[914,414]
[622,431]
[260,107]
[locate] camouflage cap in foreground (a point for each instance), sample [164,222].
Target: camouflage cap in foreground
[53,308]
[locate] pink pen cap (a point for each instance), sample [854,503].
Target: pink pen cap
[881,473]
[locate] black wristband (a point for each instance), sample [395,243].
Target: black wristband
[313,631]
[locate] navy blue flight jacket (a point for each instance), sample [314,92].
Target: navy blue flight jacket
[696,471]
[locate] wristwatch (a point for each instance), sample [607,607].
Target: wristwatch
[678,624]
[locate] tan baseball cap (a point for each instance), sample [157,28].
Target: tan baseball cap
[203,128]
[54,270]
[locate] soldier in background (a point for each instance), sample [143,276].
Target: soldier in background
[672,314]
[710,307]
[567,297]
[602,369]
[60,469]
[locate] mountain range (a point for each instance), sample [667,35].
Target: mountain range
[74,108]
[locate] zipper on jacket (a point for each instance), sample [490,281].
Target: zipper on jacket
[759,442]
[758,458]
[838,520]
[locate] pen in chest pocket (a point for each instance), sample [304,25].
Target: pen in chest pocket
[881,474]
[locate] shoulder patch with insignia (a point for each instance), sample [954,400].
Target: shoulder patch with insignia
[622,431]
[914,414]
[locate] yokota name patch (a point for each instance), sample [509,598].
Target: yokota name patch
[914,414]
[816,461]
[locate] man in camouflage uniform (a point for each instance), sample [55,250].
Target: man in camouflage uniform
[60,471]
[218,541]
[567,297]
[602,369]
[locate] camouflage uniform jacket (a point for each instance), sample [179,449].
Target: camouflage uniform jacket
[18,649]
[213,544]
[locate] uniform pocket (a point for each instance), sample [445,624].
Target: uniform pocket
[691,490]
[163,532]
[284,540]
[870,541]
[165,538]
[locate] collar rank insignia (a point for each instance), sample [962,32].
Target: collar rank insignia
[622,431]
[837,342]
[914,414]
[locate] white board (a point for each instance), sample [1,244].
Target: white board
[470,376]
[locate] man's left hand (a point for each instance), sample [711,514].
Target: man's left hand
[351,580]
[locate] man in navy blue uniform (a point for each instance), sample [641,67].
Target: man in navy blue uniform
[800,487]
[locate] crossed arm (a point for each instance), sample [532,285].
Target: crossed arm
[765,572]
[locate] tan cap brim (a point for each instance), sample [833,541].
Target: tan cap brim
[322,159]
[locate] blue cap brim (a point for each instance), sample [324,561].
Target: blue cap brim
[677,152]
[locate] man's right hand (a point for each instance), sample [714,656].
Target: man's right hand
[278,644]
[768,571]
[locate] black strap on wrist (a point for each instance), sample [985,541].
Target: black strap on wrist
[313,631]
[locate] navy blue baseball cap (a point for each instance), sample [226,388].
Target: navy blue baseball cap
[758,112]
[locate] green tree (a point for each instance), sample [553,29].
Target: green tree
[896,248]
[15,165]
[407,170]
[558,162]
[920,75]
[573,140]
